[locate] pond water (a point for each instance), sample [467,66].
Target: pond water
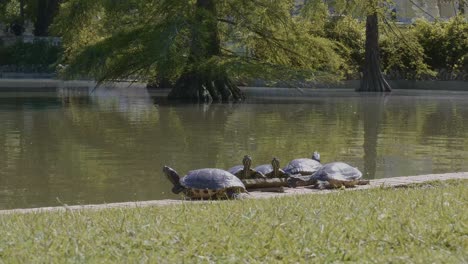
[75,148]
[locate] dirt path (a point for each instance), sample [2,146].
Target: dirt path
[388,182]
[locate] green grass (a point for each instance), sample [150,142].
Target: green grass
[423,224]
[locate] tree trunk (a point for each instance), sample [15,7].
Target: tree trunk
[46,10]
[200,87]
[40,27]
[372,80]
[21,2]
[205,84]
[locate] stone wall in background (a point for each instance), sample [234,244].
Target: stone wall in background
[409,10]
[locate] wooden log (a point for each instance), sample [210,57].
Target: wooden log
[265,183]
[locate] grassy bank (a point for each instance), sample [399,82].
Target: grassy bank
[426,223]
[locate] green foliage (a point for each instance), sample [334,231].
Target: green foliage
[106,40]
[402,55]
[445,43]
[259,40]
[39,54]
[316,12]
[424,48]
[295,57]
[10,10]
[319,10]
[349,34]
[426,224]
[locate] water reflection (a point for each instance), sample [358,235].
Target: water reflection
[372,109]
[111,145]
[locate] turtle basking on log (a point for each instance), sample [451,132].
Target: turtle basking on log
[275,181]
[259,182]
[206,184]
[330,175]
[272,170]
[304,166]
[245,171]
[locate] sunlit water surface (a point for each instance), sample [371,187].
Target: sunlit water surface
[70,148]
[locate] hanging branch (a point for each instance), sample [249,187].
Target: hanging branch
[401,36]
[422,9]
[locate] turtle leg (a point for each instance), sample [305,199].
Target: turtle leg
[331,184]
[351,184]
[235,194]
[363,182]
[323,185]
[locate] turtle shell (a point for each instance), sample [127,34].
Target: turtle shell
[236,169]
[338,174]
[205,183]
[264,169]
[303,166]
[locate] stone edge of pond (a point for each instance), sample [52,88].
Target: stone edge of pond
[376,183]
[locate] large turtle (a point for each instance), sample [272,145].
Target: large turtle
[245,171]
[331,175]
[272,170]
[304,166]
[206,183]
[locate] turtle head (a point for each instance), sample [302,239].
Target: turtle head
[247,162]
[316,156]
[174,178]
[275,164]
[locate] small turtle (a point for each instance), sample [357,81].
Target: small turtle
[304,166]
[331,175]
[272,170]
[245,171]
[206,183]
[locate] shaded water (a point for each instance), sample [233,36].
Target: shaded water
[111,146]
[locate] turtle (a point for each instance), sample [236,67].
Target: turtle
[304,166]
[207,183]
[331,175]
[272,170]
[245,171]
